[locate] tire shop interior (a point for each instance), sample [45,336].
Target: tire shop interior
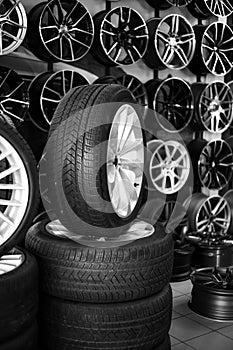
[116,175]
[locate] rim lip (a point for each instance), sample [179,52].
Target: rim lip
[101,37]
[225,27]
[115,121]
[15,158]
[156,44]
[24,102]
[20,10]
[12,252]
[46,47]
[191,109]
[199,162]
[227,292]
[186,171]
[203,200]
[199,107]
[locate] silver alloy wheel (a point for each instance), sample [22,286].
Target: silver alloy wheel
[151,147]
[214,105]
[179,3]
[209,214]
[66,29]
[219,8]
[174,101]
[11,261]
[125,161]
[124,36]
[14,184]
[217,48]
[215,164]
[169,167]
[13,25]
[47,90]
[175,41]
[13,95]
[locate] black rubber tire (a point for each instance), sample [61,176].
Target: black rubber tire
[27,340]
[21,146]
[75,272]
[135,325]
[76,159]
[18,298]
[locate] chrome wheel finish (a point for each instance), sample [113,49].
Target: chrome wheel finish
[209,214]
[13,95]
[206,8]
[217,48]
[11,261]
[212,293]
[14,190]
[125,161]
[179,3]
[214,106]
[13,25]
[174,41]
[66,29]
[173,100]
[169,167]
[123,36]
[47,90]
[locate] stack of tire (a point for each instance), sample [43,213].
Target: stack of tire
[94,294]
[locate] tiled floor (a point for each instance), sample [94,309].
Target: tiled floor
[190,331]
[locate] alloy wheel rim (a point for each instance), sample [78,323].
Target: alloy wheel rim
[212,277]
[169,167]
[219,8]
[11,261]
[175,41]
[13,25]
[125,161]
[123,41]
[66,29]
[15,186]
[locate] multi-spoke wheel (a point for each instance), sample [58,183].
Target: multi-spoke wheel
[11,261]
[212,293]
[125,161]
[18,187]
[169,167]
[212,162]
[47,90]
[121,36]
[60,30]
[171,44]
[173,100]
[13,25]
[13,95]
[214,49]
[213,106]
[203,9]
[209,214]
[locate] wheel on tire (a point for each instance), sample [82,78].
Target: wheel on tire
[70,325]
[18,293]
[100,275]
[18,187]
[100,185]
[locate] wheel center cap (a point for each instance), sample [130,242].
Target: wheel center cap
[63,29]
[172,41]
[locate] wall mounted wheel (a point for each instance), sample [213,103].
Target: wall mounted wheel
[203,9]
[121,36]
[169,167]
[212,162]
[13,24]
[214,49]
[213,106]
[171,42]
[60,30]
[13,96]
[212,293]
[209,214]
[173,101]
[47,90]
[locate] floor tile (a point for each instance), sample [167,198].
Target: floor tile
[214,325]
[183,287]
[212,341]
[176,293]
[174,341]
[180,305]
[181,346]
[227,331]
[175,315]
[184,328]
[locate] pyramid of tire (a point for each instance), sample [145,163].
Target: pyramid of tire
[93,297]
